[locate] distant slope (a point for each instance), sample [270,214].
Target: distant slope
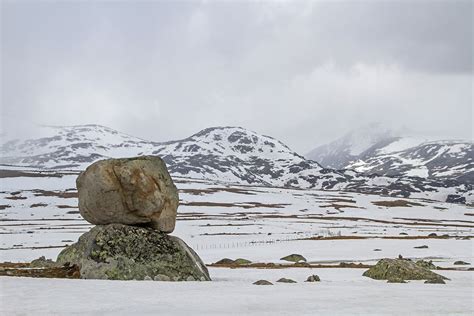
[339,153]
[227,154]
[401,156]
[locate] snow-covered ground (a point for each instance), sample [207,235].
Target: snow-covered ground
[39,216]
[340,292]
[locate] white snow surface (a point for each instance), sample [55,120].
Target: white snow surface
[340,292]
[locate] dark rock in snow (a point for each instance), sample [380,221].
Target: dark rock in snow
[263,282]
[313,278]
[387,269]
[294,258]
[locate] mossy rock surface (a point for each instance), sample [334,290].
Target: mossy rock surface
[387,269]
[294,258]
[242,261]
[461,263]
[122,252]
[225,261]
[426,264]
[285,280]
[396,280]
[262,282]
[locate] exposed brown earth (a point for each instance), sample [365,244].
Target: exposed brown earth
[270,265]
[16,174]
[215,190]
[338,206]
[60,194]
[384,237]
[16,197]
[65,206]
[396,203]
[38,205]
[24,270]
[245,205]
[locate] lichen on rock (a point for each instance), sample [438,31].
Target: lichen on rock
[392,269]
[122,252]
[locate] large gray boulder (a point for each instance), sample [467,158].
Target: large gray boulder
[122,252]
[129,191]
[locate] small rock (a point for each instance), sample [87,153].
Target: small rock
[313,278]
[403,234]
[432,235]
[294,258]
[421,247]
[147,278]
[190,278]
[225,261]
[285,280]
[241,261]
[263,282]
[42,262]
[377,249]
[460,263]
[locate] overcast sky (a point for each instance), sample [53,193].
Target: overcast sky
[302,72]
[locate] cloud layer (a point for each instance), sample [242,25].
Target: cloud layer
[303,72]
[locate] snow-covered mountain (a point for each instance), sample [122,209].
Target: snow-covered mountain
[448,159]
[227,154]
[339,153]
[384,153]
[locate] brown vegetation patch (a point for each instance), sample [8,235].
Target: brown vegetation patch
[16,197]
[245,205]
[227,234]
[384,237]
[271,265]
[38,205]
[214,190]
[396,203]
[16,174]
[24,270]
[338,206]
[60,194]
[65,206]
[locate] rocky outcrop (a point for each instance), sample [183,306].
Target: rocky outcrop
[121,252]
[400,269]
[130,191]
[294,258]
[313,278]
[285,280]
[262,282]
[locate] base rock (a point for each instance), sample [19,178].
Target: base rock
[122,252]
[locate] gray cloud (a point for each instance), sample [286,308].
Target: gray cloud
[303,72]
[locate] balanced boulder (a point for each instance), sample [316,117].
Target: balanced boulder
[122,252]
[130,191]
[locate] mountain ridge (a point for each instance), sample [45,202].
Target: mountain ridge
[229,154]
